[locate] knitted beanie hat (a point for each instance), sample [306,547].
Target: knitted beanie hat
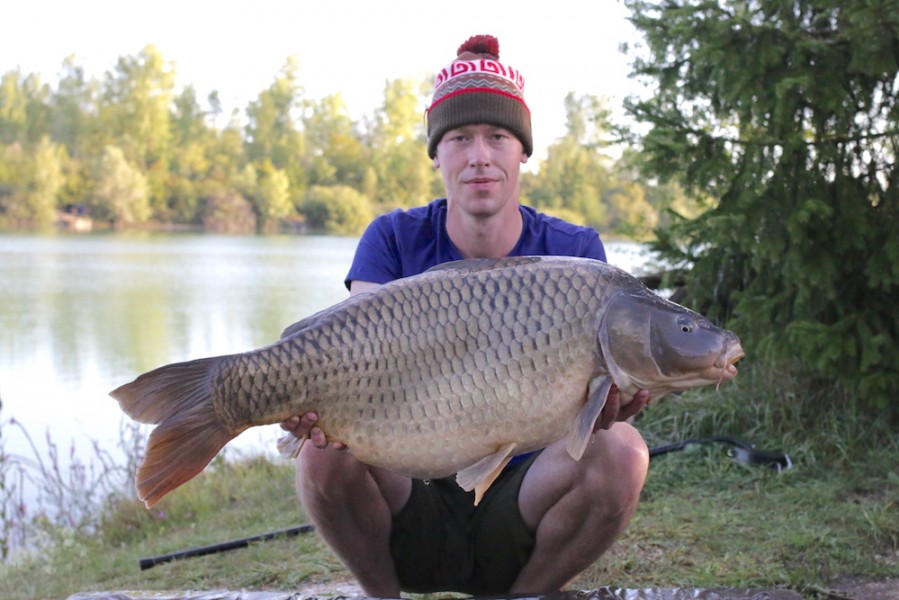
[477,88]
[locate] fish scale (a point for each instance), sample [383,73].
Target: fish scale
[454,370]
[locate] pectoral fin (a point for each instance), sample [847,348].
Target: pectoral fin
[480,475]
[582,427]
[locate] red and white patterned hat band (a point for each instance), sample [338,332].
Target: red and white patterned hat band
[483,66]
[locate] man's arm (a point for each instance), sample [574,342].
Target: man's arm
[357,287]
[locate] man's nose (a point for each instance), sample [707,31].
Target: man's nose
[479,152]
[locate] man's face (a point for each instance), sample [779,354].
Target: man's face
[480,165]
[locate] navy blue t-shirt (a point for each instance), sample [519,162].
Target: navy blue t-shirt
[408,242]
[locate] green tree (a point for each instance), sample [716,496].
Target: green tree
[30,184]
[192,143]
[574,176]
[23,108]
[135,113]
[638,204]
[272,134]
[269,191]
[120,190]
[227,155]
[335,151]
[786,113]
[14,166]
[13,115]
[46,182]
[73,110]
[338,209]
[228,212]
[628,210]
[401,168]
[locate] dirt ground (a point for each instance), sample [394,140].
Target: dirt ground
[849,589]
[866,590]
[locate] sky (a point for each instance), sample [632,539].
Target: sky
[350,47]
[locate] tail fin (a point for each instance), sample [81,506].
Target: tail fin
[189,434]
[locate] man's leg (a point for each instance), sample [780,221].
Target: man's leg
[351,506]
[578,508]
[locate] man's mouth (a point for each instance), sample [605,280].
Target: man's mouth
[480,181]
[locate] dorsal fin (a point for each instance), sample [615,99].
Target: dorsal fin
[472,265]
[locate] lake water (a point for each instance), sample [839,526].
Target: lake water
[81,315]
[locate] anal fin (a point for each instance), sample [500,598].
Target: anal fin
[482,474]
[582,428]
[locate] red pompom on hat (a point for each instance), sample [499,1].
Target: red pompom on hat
[476,88]
[480,44]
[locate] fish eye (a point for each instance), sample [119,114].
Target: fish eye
[685,324]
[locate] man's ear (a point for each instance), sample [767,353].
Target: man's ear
[524,158]
[436,163]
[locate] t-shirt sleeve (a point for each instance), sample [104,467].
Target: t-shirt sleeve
[593,248]
[377,256]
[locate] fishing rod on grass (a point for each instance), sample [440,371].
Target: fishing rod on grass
[740,451]
[148,563]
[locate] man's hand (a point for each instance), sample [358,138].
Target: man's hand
[613,412]
[303,426]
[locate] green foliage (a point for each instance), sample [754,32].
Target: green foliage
[194,171]
[31,181]
[339,210]
[572,179]
[787,115]
[399,162]
[336,155]
[271,196]
[580,183]
[120,190]
[272,132]
[228,213]
[136,111]
[46,182]
[72,107]
[575,174]
[23,110]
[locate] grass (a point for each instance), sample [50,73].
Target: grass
[704,520]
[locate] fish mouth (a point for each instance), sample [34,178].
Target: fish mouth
[732,355]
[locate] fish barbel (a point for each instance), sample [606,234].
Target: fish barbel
[455,370]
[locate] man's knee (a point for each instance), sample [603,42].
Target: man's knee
[629,450]
[622,466]
[320,469]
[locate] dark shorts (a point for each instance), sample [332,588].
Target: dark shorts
[441,542]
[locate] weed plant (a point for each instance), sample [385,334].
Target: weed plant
[46,497]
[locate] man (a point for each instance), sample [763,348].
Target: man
[547,517]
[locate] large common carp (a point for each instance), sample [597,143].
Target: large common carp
[455,370]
